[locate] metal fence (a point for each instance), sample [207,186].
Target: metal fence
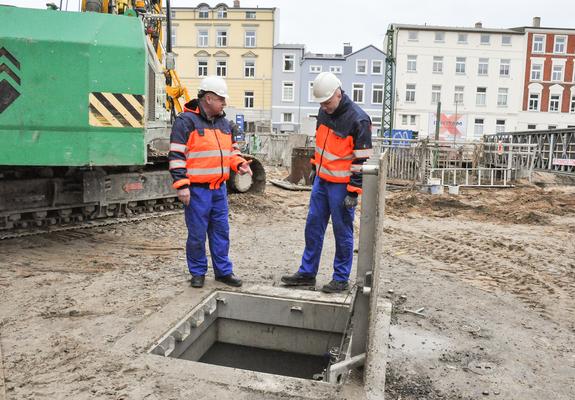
[552,150]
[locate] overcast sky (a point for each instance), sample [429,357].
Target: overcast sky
[324,25]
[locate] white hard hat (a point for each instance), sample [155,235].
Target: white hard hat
[324,86]
[215,84]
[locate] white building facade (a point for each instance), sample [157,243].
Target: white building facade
[477,74]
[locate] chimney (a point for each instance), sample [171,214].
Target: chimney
[478,25]
[536,22]
[236,3]
[347,49]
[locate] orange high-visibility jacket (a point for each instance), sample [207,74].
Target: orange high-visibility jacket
[202,151]
[342,144]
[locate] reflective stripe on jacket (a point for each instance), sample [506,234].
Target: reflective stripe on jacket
[201,151]
[343,142]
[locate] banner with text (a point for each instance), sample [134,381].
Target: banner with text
[451,126]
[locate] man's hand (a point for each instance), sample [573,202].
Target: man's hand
[244,168]
[350,200]
[184,196]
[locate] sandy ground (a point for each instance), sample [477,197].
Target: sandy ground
[491,272]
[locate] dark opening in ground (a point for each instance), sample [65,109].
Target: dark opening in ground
[262,360]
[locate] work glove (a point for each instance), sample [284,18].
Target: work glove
[312,175]
[350,200]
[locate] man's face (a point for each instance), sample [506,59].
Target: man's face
[214,104]
[331,104]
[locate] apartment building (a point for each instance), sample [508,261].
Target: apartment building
[476,73]
[549,84]
[235,43]
[361,73]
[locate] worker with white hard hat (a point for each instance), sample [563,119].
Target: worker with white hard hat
[202,152]
[343,144]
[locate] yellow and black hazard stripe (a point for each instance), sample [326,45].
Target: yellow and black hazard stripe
[116,110]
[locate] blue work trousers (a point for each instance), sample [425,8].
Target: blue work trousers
[327,200]
[207,213]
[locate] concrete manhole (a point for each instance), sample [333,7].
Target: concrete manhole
[274,335]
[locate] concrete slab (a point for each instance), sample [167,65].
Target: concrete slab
[135,345]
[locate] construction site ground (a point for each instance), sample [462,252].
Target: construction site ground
[483,288]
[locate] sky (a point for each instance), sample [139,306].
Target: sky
[324,25]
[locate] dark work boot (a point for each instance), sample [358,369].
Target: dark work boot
[335,287]
[298,279]
[197,281]
[230,280]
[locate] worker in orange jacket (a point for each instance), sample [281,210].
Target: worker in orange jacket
[202,152]
[343,144]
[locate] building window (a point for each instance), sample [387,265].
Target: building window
[538,44]
[202,67]
[222,12]
[310,96]
[480,96]
[250,15]
[534,101]
[504,67]
[222,39]
[531,126]
[551,126]
[412,36]
[289,63]
[411,63]
[357,91]
[554,102]
[377,93]
[435,94]
[462,38]
[336,69]
[407,119]
[203,38]
[458,95]
[250,39]
[506,40]
[203,13]
[559,46]
[377,67]
[410,92]
[499,126]
[173,36]
[557,73]
[287,91]
[249,68]
[460,65]
[484,38]
[536,71]
[361,67]
[478,128]
[502,97]
[173,14]
[483,66]
[440,36]
[437,64]
[572,106]
[315,69]
[287,117]
[221,68]
[249,99]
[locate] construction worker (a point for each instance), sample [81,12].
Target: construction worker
[202,151]
[343,144]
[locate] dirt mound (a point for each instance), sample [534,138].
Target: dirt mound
[520,205]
